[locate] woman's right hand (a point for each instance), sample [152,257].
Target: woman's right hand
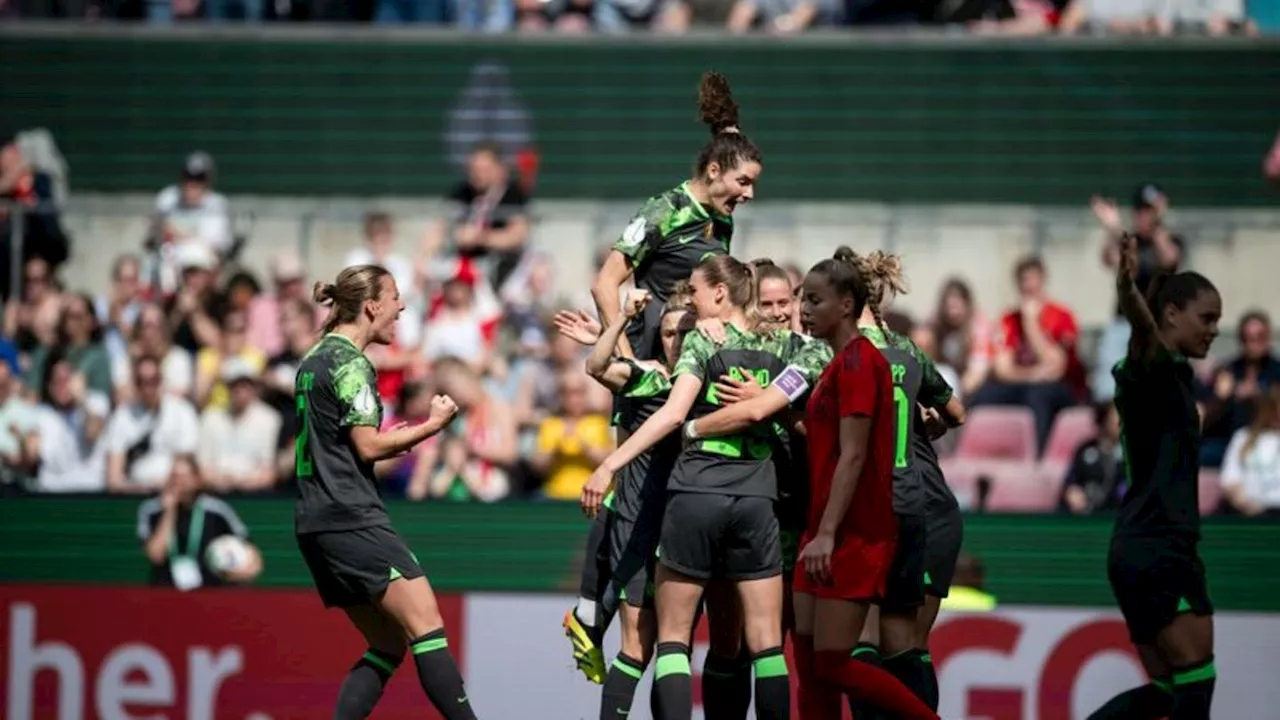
[443,408]
[712,328]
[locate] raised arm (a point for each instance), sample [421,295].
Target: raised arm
[603,364]
[1144,338]
[373,445]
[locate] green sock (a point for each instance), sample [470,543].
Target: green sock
[1193,691]
[672,695]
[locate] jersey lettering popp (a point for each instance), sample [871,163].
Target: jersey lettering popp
[1160,434]
[335,390]
[741,464]
[916,380]
[858,382]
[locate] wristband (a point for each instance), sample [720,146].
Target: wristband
[690,430]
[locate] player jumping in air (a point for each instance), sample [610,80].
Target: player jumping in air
[1153,565]
[671,233]
[358,561]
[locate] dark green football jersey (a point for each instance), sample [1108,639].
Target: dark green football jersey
[916,381]
[335,390]
[742,464]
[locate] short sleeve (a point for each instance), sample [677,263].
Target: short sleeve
[643,235]
[355,385]
[694,355]
[857,384]
[1232,465]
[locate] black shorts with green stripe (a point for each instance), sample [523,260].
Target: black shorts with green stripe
[1154,581]
[353,567]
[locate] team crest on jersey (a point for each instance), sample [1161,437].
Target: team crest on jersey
[365,402]
[634,233]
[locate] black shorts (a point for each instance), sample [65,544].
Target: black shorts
[707,536]
[904,588]
[944,534]
[1154,581]
[633,548]
[353,567]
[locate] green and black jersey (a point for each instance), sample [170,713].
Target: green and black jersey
[916,381]
[1160,433]
[742,464]
[664,242]
[644,479]
[335,390]
[791,462]
[938,497]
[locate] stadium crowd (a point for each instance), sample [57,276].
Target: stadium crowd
[192,353]
[1007,17]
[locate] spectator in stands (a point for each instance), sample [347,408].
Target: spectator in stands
[566,16]
[491,222]
[1096,478]
[1251,468]
[33,321]
[397,12]
[379,249]
[456,328]
[1160,250]
[958,336]
[193,310]
[177,527]
[150,339]
[79,339]
[238,442]
[482,439]
[1229,404]
[247,10]
[1035,359]
[188,213]
[241,290]
[265,312]
[211,391]
[529,294]
[22,187]
[17,420]
[147,433]
[1271,162]
[63,450]
[118,309]
[781,17]
[571,443]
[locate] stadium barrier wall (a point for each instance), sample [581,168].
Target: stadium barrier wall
[537,547]
[114,653]
[934,119]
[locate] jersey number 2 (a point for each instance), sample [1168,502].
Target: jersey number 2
[302,453]
[903,404]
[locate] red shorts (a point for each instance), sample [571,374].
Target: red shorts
[859,570]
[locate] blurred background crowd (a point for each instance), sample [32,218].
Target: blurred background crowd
[997,17]
[192,352]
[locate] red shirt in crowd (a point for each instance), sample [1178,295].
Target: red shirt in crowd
[1059,327]
[857,382]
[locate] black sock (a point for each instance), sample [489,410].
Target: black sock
[595,581]
[910,671]
[726,687]
[931,680]
[1193,691]
[672,696]
[773,687]
[869,654]
[439,676]
[1147,702]
[363,687]
[620,687]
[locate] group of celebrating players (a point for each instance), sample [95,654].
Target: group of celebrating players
[774,471]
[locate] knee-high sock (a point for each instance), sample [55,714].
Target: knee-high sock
[910,671]
[620,687]
[439,676]
[868,653]
[364,684]
[1193,691]
[870,683]
[672,696]
[818,699]
[773,687]
[726,687]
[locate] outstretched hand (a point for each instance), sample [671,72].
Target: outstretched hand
[1127,268]
[578,326]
